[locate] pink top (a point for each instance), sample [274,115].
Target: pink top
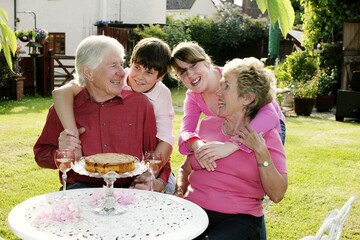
[160,98]
[267,118]
[235,185]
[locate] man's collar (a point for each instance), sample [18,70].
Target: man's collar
[84,96]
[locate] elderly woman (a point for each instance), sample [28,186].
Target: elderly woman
[231,194]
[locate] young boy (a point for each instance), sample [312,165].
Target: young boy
[148,65]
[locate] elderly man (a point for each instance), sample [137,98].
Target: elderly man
[110,119]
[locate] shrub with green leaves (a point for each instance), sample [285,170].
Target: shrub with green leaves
[327,78]
[301,67]
[306,89]
[323,19]
[174,32]
[229,34]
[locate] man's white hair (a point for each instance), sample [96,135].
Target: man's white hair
[91,52]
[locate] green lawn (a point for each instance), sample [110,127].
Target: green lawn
[323,158]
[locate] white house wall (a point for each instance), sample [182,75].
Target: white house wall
[203,8]
[143,11]
[77,17]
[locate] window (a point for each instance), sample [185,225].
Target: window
[57,42]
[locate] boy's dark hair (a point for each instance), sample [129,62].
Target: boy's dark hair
[152,53]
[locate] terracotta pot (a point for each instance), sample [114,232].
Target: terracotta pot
[325,103]
[303,106]
[41,41]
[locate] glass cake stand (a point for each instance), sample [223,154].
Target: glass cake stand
[109,205]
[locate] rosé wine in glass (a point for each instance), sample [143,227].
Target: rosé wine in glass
[63,160]
[154,161]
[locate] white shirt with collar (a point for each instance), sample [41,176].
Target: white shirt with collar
[160,98]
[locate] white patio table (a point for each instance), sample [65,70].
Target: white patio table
[152,216]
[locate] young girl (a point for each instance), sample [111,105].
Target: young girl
[190,64]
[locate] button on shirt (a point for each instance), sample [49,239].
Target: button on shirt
[123,124]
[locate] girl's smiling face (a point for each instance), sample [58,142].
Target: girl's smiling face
[194,75]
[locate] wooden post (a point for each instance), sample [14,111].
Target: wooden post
[351,51]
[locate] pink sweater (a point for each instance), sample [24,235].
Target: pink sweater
[267,118]
[235,185]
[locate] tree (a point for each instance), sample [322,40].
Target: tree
[279,10]
[6,34]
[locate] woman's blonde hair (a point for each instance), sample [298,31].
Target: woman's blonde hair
[252,77]
[190,52]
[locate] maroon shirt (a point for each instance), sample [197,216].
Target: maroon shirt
[121,125]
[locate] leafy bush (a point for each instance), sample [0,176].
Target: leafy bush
[228,34]
[298,67]
[323,19]
[327,78]
[174,32]
[323,23]
[283,77]
[298,72]
[306,89]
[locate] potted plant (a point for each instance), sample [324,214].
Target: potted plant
[327,78]
[283,80]
[41,35]
[304,96]
[11,79]
[25,36]
[297,74]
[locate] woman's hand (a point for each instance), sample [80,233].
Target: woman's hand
[250,138]
[207,154]
[274,183]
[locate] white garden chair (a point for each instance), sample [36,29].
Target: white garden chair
[333,223]
[266,203]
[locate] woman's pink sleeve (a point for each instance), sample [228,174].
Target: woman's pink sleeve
[189,123]
[266,119]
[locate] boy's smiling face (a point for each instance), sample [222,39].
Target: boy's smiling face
[142,79]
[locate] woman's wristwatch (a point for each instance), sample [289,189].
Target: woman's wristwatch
[265,163]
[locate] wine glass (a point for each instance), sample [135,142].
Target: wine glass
[63,160]
[109,206]
[154,162]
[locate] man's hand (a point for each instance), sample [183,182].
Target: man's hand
[143,182]
[68,139]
